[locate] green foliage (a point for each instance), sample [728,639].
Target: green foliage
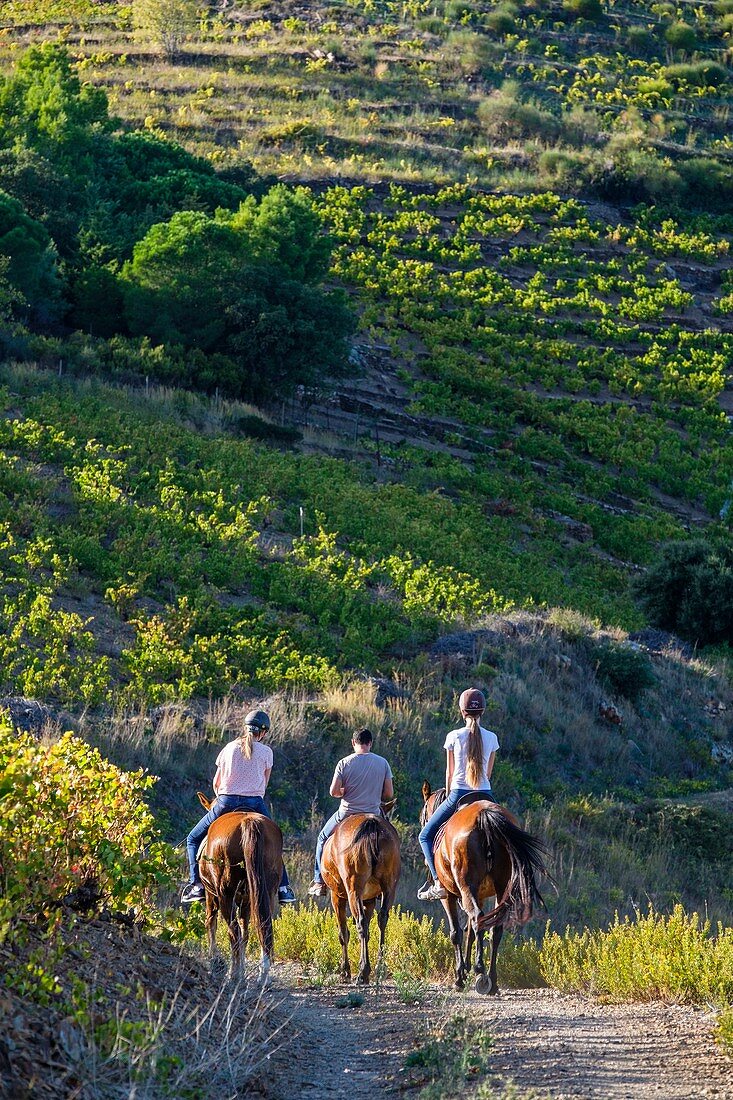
[167,23]
[504,116]
[44,106]
[32,268]
[69,818]
[284,230]
[653,957]
[240,286]
[623,669]
[681,36]
[452,1052]
[724,1028]
[689,590]
[584,9]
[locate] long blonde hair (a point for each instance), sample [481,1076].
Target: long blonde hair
[245,742]
[474,750]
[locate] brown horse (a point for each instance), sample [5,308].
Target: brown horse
[240,869]
[483,854]
[361,862]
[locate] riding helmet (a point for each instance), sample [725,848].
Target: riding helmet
[472,701]
[257,720]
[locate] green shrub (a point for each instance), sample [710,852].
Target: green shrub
[681,36]
[701,74]
[690,591]
[501,20]
[415,948]
[623,669]
[584,9]
[69,818]
[724,1029]
[653,957]
[503,116]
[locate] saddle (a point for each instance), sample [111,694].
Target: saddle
[464,800]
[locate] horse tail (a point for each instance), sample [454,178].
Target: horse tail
[253,852]
[526,857]
[367,839]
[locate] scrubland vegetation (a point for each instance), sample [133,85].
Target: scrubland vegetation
[521,215]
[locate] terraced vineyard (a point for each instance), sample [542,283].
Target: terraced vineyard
[628,97]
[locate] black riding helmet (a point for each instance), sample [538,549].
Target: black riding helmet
[257,721]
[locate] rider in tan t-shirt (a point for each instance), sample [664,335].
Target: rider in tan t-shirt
[362,781]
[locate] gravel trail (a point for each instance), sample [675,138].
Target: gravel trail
[553,1045]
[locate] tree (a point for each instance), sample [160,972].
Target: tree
[244,287]
[284,230]
[690,591]
[167,23]
[32,265]
[44,106]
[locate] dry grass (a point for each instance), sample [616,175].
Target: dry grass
[132,1016]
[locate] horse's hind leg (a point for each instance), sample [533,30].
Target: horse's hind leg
[212,911]
[496,933]
[450,904]
[339,905]
[387,903]
[475,934]
[230,915]
[365,911]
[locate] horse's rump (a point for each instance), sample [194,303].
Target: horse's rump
[526,855]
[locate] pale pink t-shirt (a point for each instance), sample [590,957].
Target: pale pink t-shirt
[237,774]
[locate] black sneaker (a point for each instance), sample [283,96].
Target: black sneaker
[193,892]
[286,896]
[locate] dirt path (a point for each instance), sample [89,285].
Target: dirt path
[556,1045]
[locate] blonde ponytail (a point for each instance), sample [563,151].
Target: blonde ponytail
[474,751]
[245,743]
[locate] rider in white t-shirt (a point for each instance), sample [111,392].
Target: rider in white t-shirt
[470,753]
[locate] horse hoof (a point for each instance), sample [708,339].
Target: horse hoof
[483,984]
[363,979]
[459,984]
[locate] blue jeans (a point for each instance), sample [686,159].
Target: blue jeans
[325,833]
[223,804]
[430,829]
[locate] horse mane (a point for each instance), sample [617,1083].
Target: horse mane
[526,855]
[366,839]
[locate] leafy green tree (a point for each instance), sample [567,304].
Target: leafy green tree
[690,591]
[243,287]
[284,230]
[283,334]
[32,267]
[167,23]
[176,283]
[43,105]
[681,36]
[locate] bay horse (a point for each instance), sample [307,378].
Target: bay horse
[240,868]
[361,863]
[483,853]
